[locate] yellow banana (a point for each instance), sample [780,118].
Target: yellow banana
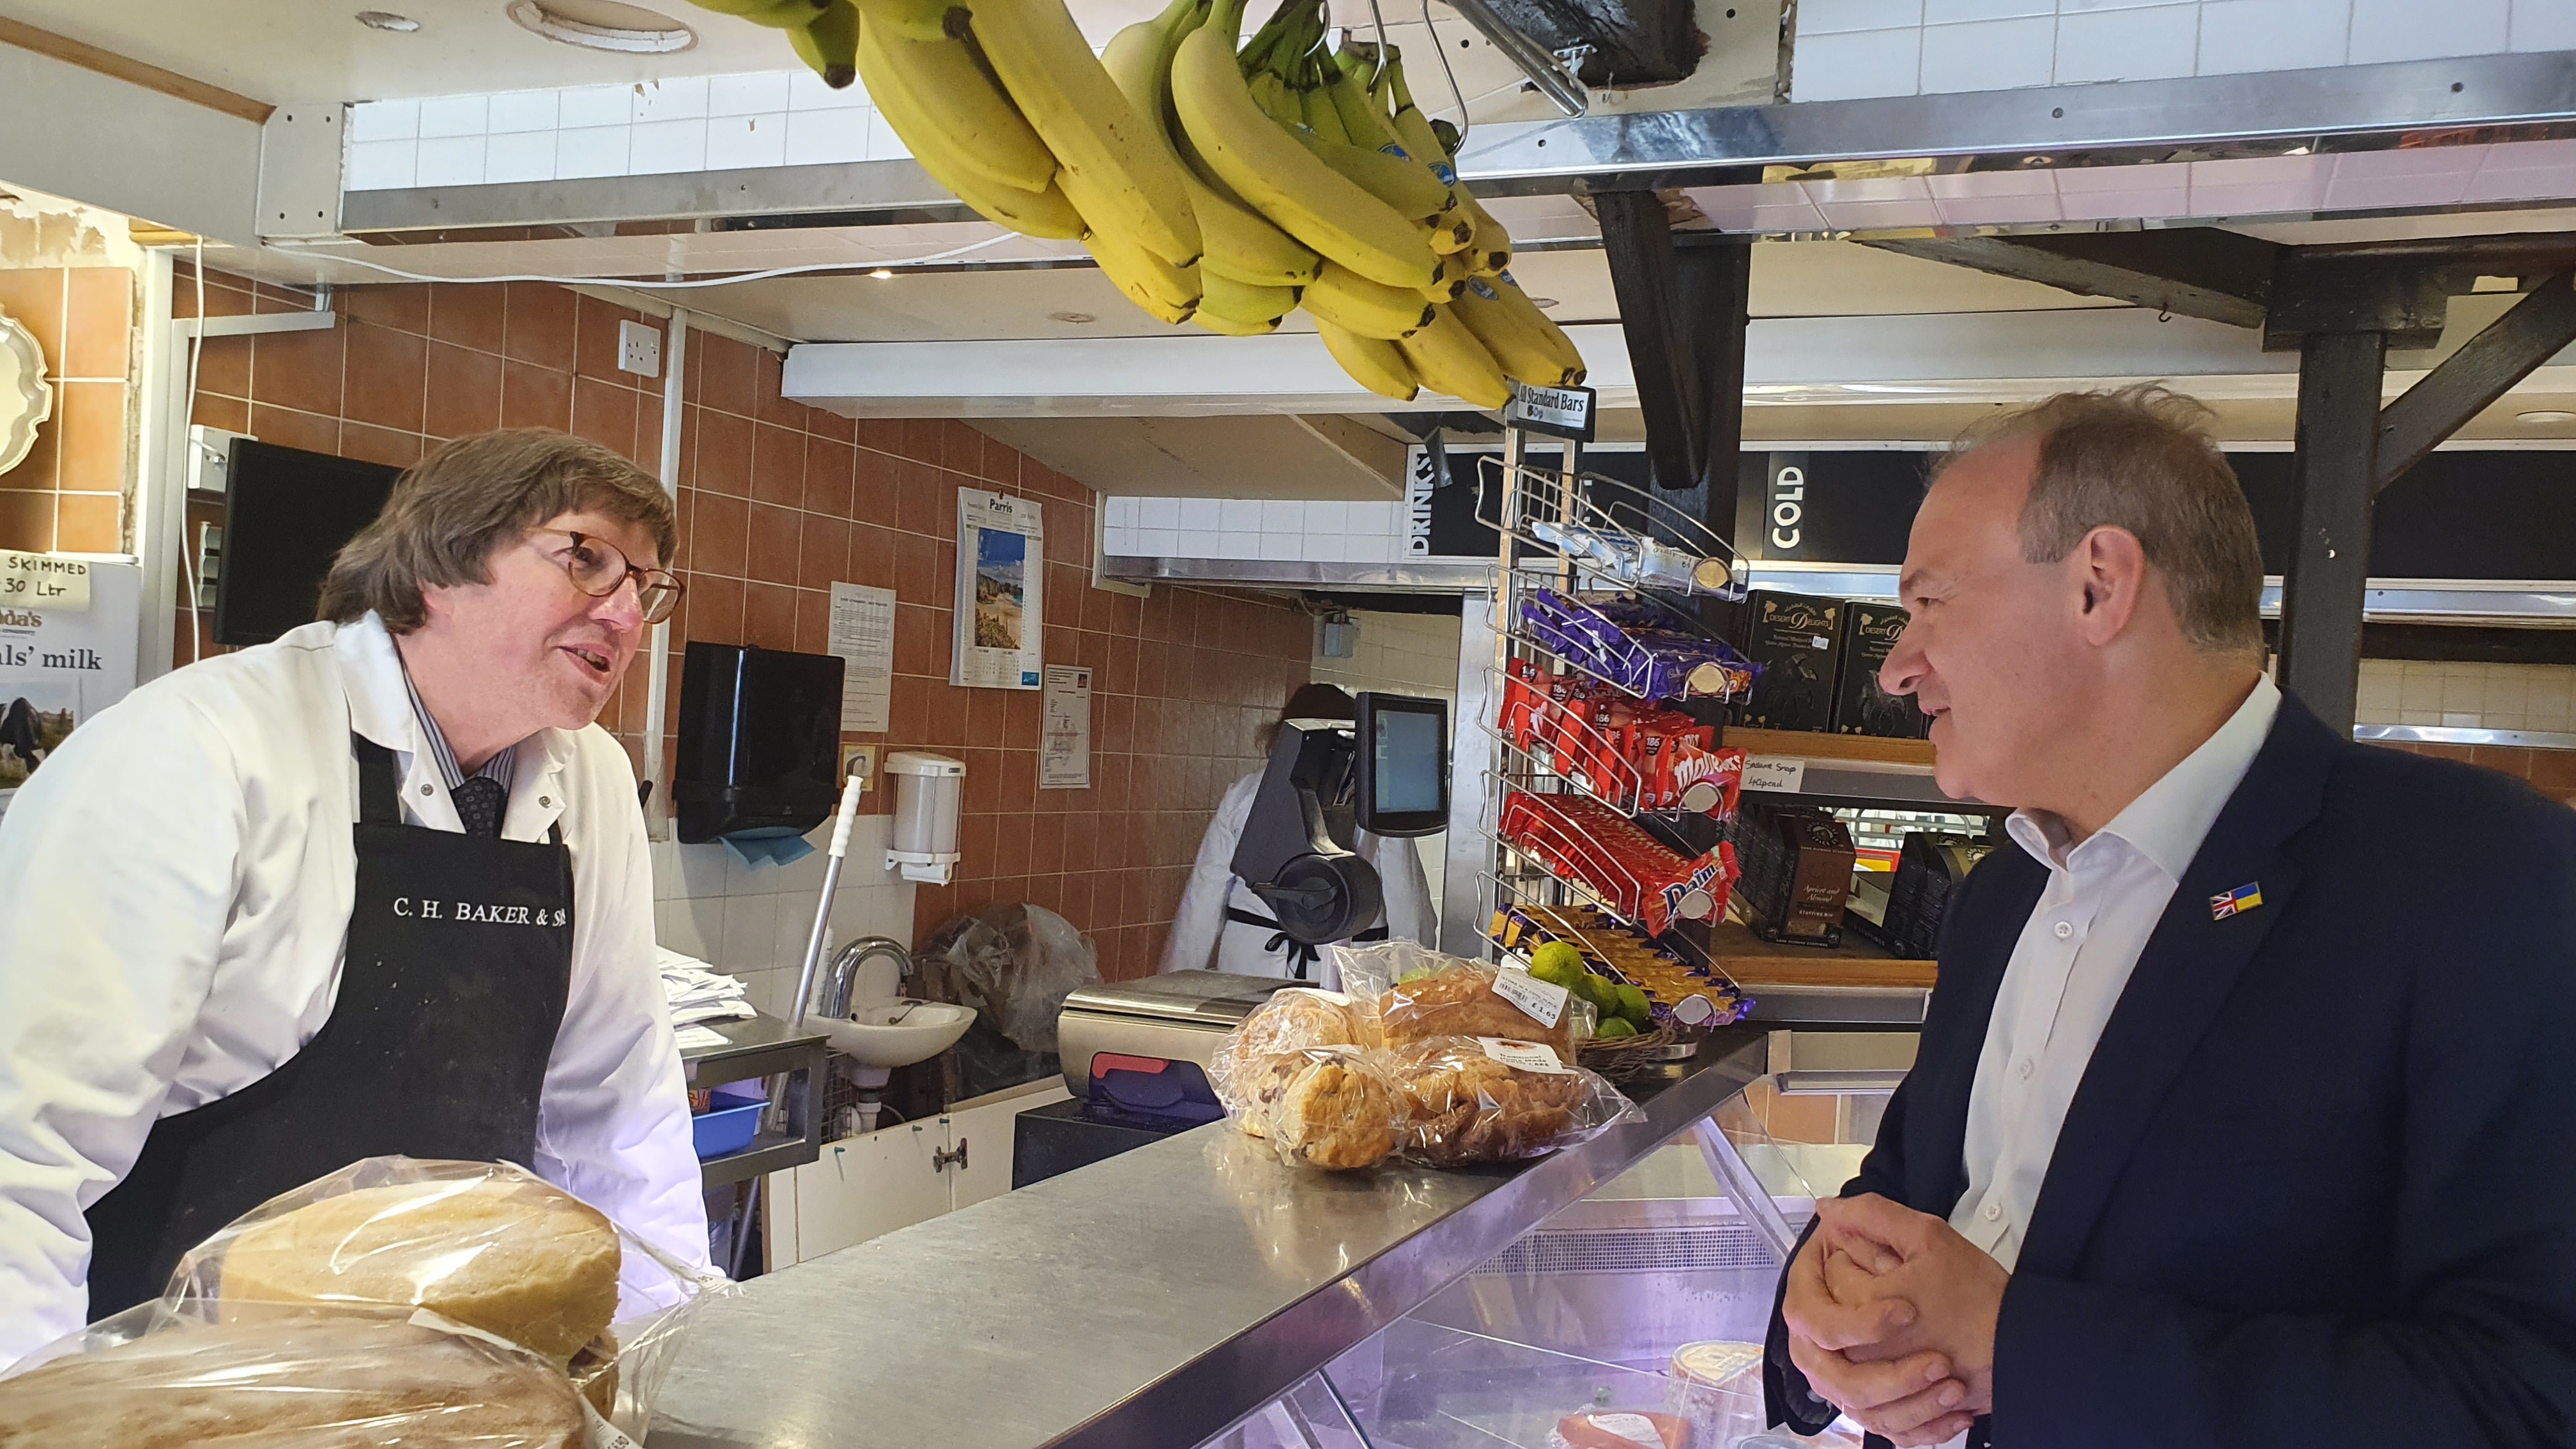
[1166,291]
[1369,308]
[1448,358]
[945,84]
[1479,233]
[1407,189]
[1225,326]
[1321,118]
[829,44]
[1372,362]
[1560,347]
[912,19]
[1049,69]
[1490,254]
[1042,212]
[1526,343]
[1234,300]
[1277,176]
[1241,243]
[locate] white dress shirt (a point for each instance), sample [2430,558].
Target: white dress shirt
[176,882]
[1200,928]
[2103,899]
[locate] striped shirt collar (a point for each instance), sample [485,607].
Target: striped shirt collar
[503,767]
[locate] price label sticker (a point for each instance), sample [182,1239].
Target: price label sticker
[601,1434]
[1775,773]
[1635,1428]
[1539,1001]
[1524,1056]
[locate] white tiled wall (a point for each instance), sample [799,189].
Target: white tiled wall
[1312,530]
[1850,48]
[2535,697]
[1402,654]
[752,922]
[686,123]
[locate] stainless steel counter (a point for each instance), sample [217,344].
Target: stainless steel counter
[1151,1299]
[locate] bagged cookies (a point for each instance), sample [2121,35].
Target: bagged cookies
[288,1378]
[489,1248]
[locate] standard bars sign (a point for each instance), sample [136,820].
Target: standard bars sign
[1562,412]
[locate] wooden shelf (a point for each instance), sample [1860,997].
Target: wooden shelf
[1813,745]
[1753,963]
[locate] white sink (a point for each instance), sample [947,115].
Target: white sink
[885,1034]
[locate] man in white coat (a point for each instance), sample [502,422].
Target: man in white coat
[377,887]
[1220,916]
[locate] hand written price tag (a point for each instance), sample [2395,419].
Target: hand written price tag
[1539,1001]
[1775,773]
[43,581]
[1527,1056]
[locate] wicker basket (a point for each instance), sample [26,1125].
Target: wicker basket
[1648,1053]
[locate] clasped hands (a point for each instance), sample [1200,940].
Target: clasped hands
[1891,1317]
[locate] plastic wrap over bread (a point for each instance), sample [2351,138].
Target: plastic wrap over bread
[282,1377]
[1469,1100]
[1300,1073]
[1423,995]
[488,1246]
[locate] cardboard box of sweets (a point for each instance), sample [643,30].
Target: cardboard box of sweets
[1869,631]
[1797,869]
[1796,638]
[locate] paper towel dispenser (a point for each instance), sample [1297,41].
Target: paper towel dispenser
[759,742]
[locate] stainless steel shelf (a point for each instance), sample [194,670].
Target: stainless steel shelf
[1153,1298]
[769,1152]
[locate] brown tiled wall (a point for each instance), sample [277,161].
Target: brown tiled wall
[2551,772]
[68,493]
[777,501]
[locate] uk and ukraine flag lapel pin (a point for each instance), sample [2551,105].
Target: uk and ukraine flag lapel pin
[2228,903]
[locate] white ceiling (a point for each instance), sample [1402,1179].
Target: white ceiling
[312,50]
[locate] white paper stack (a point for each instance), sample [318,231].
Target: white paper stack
[699,992]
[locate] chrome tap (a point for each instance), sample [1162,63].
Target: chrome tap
[844,972]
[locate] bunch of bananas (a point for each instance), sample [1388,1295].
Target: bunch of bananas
[1215,185]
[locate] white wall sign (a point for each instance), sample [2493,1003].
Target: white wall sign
[43,581]
[1001,578]
[1064,730]
[862,633]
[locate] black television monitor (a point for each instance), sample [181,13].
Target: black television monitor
[286,513]
[1403,764]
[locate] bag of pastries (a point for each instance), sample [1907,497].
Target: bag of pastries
[1491,1099]
[1300,1073]
[1425,995]
[287,1378]
[489,1246]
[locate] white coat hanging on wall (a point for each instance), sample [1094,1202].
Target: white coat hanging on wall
[26,399]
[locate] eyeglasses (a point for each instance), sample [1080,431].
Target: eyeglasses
[597,568]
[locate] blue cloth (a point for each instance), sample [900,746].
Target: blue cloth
[757,848]
[2316,1185]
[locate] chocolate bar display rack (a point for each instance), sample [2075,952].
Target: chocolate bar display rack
[1523,872]
[1527,892]
[1622,790]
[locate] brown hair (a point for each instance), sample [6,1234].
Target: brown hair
[470,496]
[2142,459]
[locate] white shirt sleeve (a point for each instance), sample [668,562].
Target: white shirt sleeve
[118,866]
[613,1128]
[1409,916]
[1200,918]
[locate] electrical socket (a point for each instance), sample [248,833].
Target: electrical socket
[639,349]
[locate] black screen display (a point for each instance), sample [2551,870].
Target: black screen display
[286,513]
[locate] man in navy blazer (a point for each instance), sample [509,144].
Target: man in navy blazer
[2245,1110]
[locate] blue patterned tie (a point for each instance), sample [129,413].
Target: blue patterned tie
[478,804]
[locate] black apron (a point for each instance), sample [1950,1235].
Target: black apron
[1301,956]
[458,963]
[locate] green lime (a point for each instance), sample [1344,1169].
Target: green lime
[1634,1006]
[1556,962]
[1613,1029]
